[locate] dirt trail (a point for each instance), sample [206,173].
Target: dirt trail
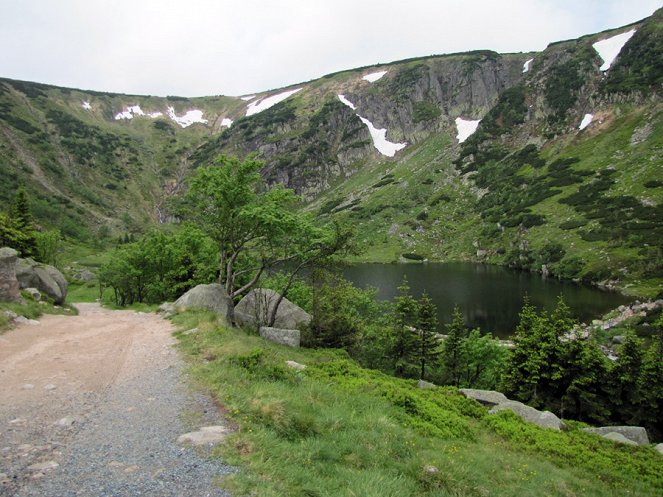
[93,404]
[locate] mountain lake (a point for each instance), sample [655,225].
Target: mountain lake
[490,297]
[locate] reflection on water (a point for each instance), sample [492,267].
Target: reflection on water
[490,297]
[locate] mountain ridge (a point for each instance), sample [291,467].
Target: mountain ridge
[437,197]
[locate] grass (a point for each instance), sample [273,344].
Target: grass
[30,309]
[336,429]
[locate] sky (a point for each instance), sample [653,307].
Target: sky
[230,47]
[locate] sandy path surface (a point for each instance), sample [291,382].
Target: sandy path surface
[93,404]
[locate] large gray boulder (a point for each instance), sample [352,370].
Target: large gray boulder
[47,279]
[291,338]
[486,397]
[255,309]
[9,286]
[211,297]
[636,434]
[545,419]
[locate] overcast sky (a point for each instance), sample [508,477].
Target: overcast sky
[232,47]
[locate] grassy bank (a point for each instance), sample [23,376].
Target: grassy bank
[335,429]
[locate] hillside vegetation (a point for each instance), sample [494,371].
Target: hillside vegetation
[336,429]
[529,189]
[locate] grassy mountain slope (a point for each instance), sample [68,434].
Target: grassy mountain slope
[528,189]
[336,429]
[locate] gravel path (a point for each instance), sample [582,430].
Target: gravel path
[94,406]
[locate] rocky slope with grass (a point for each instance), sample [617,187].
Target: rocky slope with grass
[560,176]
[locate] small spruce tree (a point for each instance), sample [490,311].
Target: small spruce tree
[429,342]
[454,356]
[404,338]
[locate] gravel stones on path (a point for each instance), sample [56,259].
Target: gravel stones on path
[110,427]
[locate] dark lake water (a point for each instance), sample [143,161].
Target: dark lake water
[490,297]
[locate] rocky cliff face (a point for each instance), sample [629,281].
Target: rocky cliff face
[312,140]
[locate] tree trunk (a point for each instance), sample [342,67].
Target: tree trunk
[275,309]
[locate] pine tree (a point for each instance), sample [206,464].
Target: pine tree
[626,380]
[429,342]
[21,221]
[404,341]
[586,398]
[453,355]
[525,364]
[651,384]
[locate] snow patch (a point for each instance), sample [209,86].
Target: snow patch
[609,48]
[266,103]
[154,115]
[346,102]
[374,76]
[379,136]
[226,122]
[585,121]
[527,65]
[131,112]
[86,105]
[191,117]
[466,127]
[248,97]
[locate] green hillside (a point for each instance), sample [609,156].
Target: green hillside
[528,189]
[336,429]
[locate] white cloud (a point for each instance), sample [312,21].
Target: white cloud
[210,47]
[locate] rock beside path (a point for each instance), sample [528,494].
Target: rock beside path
[211,297]
[9,286]
[46,279]
[255,309]
[291,338]
[207,435]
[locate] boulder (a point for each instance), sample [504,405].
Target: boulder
[619,438]
[545,419]
[636,434]
[207,435]
[486,397]
[211,297]
[9,285]
[295,365]
[256,307]
[84,276]
[291,338]
[659,448]
[34,293]
[47,279]
[425,384]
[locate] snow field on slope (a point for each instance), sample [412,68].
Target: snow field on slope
[374,76]
[609,48]
[585,121]
[266,103]
[466,127]
[379,136]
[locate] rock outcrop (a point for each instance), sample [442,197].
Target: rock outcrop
[211,297]
[486,397]
[636,434]
[47,279]
[499,402]
[255,309]
[291,338]
[544,419]
[9,286]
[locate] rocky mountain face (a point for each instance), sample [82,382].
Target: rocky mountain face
[548,161]
[312,139]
